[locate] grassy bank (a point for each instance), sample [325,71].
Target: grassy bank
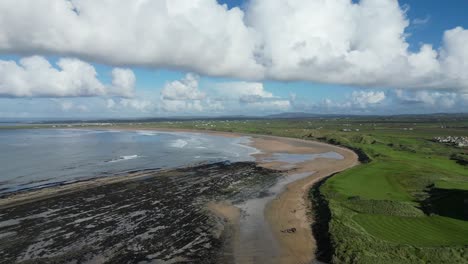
[393,207]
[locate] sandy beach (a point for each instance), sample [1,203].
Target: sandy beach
[271,218]
[290,209]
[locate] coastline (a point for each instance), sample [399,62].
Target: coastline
[288,210]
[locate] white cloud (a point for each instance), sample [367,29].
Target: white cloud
[185,96]
[356,102]
[137,104]
[141,105]
[246,92]
[181,106]
[123,82]
[333,41]
[250,96]
[198,35]
[342,42]
[272,106]
[185,89]
[36,77]
[364,99]
[434,100]
[421,21]
[182,95]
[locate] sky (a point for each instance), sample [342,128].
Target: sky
[158,58]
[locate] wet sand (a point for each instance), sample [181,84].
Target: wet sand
[290,209]
[272,228]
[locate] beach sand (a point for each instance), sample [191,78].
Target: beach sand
[290,209]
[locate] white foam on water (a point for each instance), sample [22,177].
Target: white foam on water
[244,142]
[147,133]
[122,158]
[179,143]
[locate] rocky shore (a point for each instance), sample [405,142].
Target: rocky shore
[158,217]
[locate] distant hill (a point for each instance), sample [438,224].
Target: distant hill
[286,115]
[294,115]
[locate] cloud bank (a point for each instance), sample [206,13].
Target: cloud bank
[330,41]
[186,96]
[36,77]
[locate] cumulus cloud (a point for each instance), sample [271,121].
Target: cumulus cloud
[123,82]
[186,95]
[245,92]
[388,102]
[181,106]
[251,95]
[185,89]
[182,95]
[136,104]
[364,98]
[363,43]
[360,101]
[36,77]
[197,35]
[333,41]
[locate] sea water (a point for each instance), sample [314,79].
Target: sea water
[34,158]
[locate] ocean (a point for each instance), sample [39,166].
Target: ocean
[35,158]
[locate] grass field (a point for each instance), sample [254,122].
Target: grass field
[418,231]
[402,204]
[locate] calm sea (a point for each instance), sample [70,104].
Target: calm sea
[41,157]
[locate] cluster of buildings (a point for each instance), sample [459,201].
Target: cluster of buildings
[454,140]
[349,130]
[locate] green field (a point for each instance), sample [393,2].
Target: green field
[419,231]
[404,204]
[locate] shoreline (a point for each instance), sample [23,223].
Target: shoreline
[288,210]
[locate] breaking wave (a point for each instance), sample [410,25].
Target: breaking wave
[122,158]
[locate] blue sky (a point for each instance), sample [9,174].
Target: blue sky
[165,86]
